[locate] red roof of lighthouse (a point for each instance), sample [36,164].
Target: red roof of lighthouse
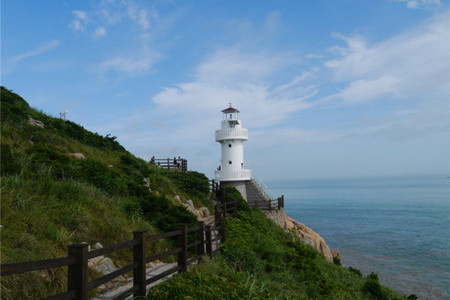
[230,110]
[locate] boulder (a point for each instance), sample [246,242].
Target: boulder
[205,211]
[310,237]
[177,198]
[77,155]
[189,205]
[97,245]
[147,183]
[105,266]
[34,122]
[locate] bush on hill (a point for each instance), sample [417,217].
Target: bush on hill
[51,199]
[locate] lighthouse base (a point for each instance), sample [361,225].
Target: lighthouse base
[239,185]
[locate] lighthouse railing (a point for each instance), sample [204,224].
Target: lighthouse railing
[233,175]
[264,188]
[232,133]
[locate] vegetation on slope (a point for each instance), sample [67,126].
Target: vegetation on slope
[50,198]
[260,261]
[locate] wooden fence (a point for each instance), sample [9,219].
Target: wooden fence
[78,256]
[275,204]
[271,205]
[179,164]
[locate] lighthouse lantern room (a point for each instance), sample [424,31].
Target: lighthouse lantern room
[231,137]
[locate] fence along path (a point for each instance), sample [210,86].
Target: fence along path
[78,256]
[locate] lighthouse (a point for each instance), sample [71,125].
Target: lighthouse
[231,137]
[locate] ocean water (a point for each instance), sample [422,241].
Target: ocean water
[396,227]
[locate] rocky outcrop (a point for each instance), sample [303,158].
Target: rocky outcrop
[34,122]
[77,155]
[199,213]
[311,238]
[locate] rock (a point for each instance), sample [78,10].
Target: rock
[34,122]
[310,237]
[205,211]
[100,288]
[95,261]
[110,166]
[120,279]
[147,183]
[97,246]
[177,198]
[189,205]
[336,254]
[105,266]
[77,155]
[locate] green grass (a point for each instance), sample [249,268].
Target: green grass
[50,199]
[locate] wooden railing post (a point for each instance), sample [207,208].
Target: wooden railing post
[209,247]
[78,273]
[201,238]
[139,274]
[224,210]
[168,163]
[182,243]
[223,236]
[235,208]
[217,214]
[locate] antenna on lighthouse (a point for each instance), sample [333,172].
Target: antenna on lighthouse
[63,114]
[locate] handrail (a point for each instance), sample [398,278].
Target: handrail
[264,188]
[78,258]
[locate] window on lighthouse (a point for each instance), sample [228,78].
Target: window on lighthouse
[229,162]
[229,145]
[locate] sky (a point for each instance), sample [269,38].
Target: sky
[327,89]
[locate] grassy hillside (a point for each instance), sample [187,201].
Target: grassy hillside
[50,198]
[260,261]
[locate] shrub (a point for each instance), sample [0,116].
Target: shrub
[163,214]
[9,163]
[232,194]
[356,271]
[194,184]
[244,260]
[372,287]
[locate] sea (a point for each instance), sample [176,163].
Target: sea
[397,227]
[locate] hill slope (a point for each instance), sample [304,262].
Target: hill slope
[61,184]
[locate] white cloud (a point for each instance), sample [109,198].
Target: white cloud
[39,50]
[130,65]
[233,76]
[411,65]
[314,56]
[80,21]
[99,32]
[110,13]
[140,16]
[421,4]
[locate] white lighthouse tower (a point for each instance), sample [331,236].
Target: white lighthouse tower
[231,137]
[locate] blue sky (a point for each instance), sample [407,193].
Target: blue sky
[326,88]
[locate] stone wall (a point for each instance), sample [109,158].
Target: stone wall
[277,216]
[239,185]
